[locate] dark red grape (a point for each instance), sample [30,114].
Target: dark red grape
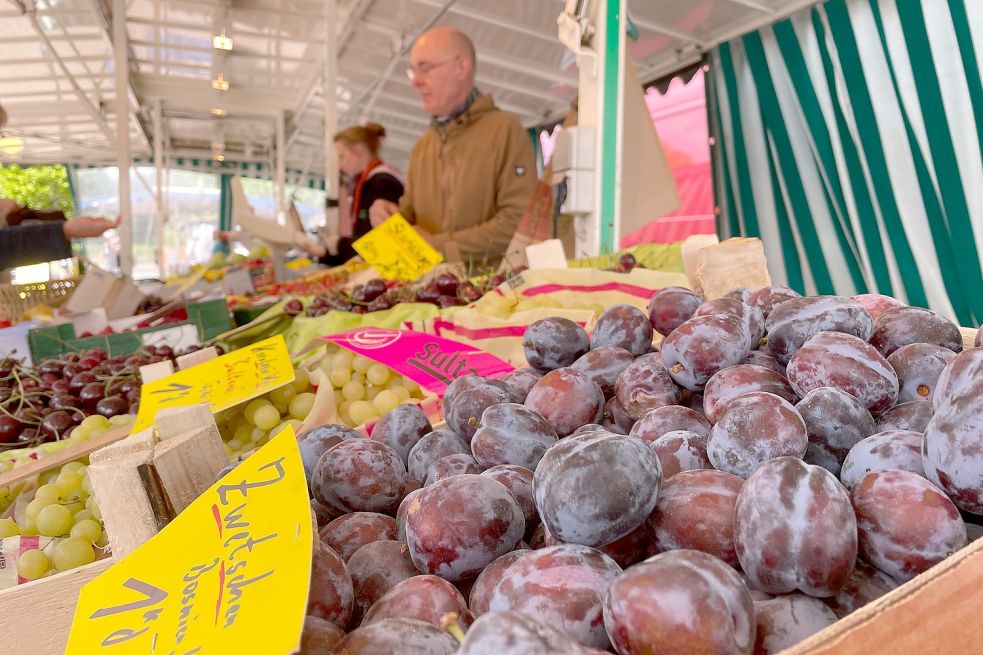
[111,406]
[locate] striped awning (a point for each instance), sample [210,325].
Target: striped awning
[849,138]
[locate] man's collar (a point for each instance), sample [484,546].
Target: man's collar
[439,121]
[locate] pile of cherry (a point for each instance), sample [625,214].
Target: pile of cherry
[777,463]
[49,401]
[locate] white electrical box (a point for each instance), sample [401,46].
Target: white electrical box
[575,149]
[580,193]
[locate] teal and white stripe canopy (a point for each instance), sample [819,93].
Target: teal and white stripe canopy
[849,137]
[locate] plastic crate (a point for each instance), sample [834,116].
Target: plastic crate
[210,318]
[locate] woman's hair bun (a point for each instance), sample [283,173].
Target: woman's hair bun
[376,129]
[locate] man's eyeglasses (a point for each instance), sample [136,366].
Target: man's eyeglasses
[425,69]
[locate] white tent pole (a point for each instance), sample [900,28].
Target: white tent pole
[281,164]
[122,104]
[159,195]
[330,93]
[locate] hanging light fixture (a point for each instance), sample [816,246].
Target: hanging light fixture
[222,41]
[220,83]
[219,112]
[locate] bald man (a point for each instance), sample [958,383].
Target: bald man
[473,171]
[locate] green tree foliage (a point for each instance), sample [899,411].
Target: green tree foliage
[37,187]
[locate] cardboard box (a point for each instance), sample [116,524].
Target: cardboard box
[118,296]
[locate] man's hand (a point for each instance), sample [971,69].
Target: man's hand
[380,211]
[82,227]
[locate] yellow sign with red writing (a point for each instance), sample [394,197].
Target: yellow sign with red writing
[230,574]
[397,250]
[220,383]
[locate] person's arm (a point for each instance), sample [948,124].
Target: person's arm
[381,191]
[515,182]
[33,244]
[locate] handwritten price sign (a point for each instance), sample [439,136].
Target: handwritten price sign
[221,382]
[229,575]
[397,251]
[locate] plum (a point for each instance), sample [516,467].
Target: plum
[764,359]
[703,345]
[603,365]
[743,294]
[403,636]
[670,307]
[488,579]
[836,422]
[315,442]
[437,444]
[919,366]
[463,414]
[754,428]
[645,385]
[318,636]
[514,633]
[628,550]
[331,594]
[593,489]
[401,429]
[906,525]
[346,534]
[784,621]
[511,434]
[323,513]
[962,371]
[750,317]
[893,449]
[567,399]
[767,298]
[913,416]
[562,586]
[866,584]
[696,512]
[520,381]
[680,450]
[553,343]
[795,529]
[843,361]
[904,325]
[623,326]
[876,304]
[451,465]
[615,418]
[670,418]
[793,322]
[457,526]
[733,381]
[518,481]
[376,568]
[360,476]
[683,601]
[420,598]
[952,451]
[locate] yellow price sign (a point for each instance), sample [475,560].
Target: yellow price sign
[397,250]
[220,383]
[230,574]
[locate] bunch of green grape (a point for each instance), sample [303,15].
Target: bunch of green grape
[250,425]
[65,509]
[364,390]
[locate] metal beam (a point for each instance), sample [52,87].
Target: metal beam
[668,30]
[159,191]
[491,19]
[757,6]
[235,53]
[123,159]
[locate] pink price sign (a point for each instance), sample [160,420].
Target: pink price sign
[432,362]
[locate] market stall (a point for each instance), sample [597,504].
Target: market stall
[681,447]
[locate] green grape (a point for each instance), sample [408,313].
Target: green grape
[361,412]
[353,391]
[96,420]
[69,481]
[251,408]
[82,433]
[74,467]
[32,564]
[122,419]
[411,386]
[343,358]
[84,515]
[49,493]
[377,374]
[87,530]
[340,376]
[103,541]
[361,364]
[8,528]
[401,392]
[242,432]
[290,422]
[386,401]
[302,381]
[34,508]
[266,418]
[257,434]
[301,405]
[372,392]
[72,553]
[338,397]
[234,445]
[281,396]
[358,377]
[93,508]
[54,521]
[87,485]
[97,432]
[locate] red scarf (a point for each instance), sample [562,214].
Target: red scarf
[349,208]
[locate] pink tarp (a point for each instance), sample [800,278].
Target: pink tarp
[681,121]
